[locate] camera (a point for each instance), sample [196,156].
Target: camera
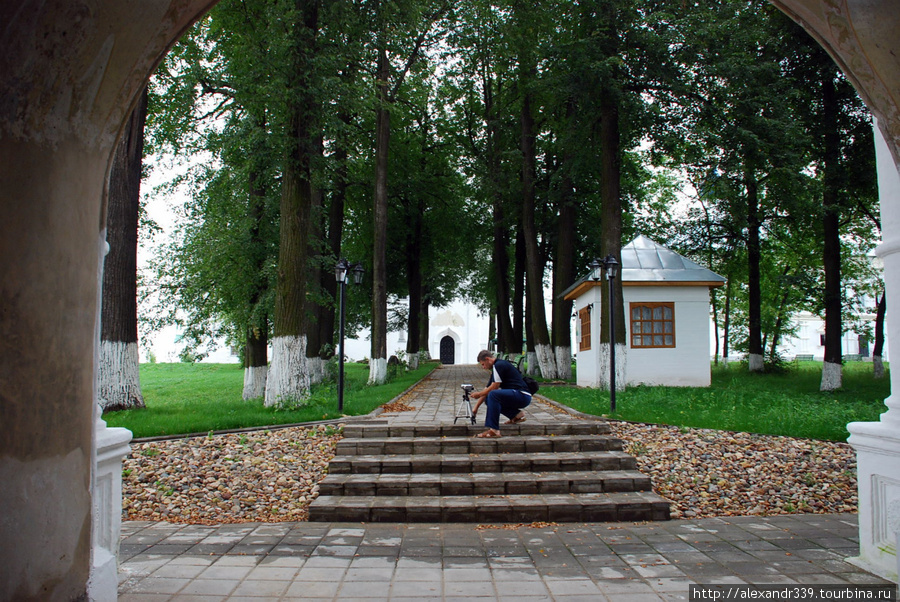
[468,388]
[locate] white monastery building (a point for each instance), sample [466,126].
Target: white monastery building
[667,319]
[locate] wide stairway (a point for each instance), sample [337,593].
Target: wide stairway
[420,467]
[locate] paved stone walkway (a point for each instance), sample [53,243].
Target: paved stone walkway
[619,562]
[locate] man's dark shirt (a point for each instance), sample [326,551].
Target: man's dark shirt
[509,376]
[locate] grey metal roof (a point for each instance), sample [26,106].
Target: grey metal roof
[644,260]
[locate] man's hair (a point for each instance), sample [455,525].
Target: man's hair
[482,355]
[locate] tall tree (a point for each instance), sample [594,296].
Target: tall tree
[119,386]
[290,376]
[388,81]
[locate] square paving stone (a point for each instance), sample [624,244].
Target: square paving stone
[265,588]
[469,589]
[313,589]
[214,587]
[415,589]
[364,589]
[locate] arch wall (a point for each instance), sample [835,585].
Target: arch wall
[70,71]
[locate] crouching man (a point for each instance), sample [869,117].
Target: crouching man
[506,393]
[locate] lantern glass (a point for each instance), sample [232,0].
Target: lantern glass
[340,271]
[611,265]
[595,270]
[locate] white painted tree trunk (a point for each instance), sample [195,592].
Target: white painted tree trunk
[755,362]
[119,384]
[564,363]
[532,369]
[621,361]
[413,361]
[378,371]
[288,378]
[831,377]
[255,382]
[546,360]
[317,369]
[877,366]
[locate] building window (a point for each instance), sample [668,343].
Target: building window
[652,325]
[584,318]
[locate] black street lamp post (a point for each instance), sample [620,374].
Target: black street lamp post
[341,274]
[609,264]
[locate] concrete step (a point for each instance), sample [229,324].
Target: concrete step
[582,507]
[368,446]
[383,430]
[482,484]
[537,462]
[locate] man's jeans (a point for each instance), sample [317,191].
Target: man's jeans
[504,401]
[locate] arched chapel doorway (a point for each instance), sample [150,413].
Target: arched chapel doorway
[448,350]
[70,71]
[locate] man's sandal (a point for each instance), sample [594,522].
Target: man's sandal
[489,434]
[520,417]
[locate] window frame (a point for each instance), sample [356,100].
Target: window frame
[584,321]
[631,324]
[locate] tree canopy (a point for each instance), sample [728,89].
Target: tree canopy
[490,150]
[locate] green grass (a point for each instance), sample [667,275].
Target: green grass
[198,398]
[775,404]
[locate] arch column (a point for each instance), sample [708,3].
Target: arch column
[861,36]
[70,71]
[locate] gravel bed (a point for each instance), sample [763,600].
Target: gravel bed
[260,476]
[707,473]
[272,476]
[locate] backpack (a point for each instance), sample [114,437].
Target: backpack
[532,384]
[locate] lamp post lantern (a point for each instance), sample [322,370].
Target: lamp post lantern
[611,266]
[341,275]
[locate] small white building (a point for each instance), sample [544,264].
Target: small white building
[667,319]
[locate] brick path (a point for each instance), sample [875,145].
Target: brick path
[619,562]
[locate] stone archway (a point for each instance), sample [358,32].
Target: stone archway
[70,70]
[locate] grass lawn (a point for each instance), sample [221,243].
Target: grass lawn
[198,398]
[773,404]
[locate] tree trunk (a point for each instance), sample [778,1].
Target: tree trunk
[727,327]
[878,350]
[518,313]
[714,298]
[564,265]
[414,284]
[534,266]
[611,237]
[563,277]
[119,385]
[424,323]
[780,319]
[831,255]
[378,361]
[288,380]
[754,253]
[256,360]
[317,347]
[506,339]
[335,235]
